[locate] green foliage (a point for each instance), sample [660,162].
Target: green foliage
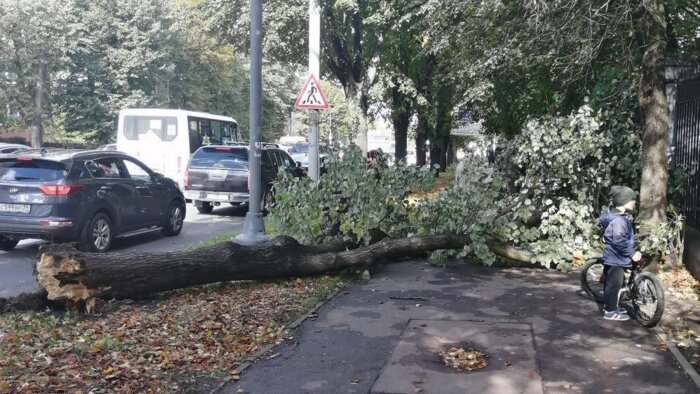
[101,56]
[679,178]
[664,240]
[683,17]
[469,206]
[33,36]
[285,23]
[353,198]
[563,168]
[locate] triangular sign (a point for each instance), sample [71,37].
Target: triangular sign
[311,97]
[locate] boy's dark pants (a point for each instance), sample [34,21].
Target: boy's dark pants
[614,280]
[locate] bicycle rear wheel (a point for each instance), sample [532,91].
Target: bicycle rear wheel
[592,280]
[648,299]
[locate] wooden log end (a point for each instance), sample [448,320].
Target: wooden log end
[51,267]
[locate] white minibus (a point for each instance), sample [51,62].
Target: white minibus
[165,139]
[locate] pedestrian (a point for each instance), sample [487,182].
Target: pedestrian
[619,251]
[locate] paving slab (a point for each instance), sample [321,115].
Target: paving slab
[416,365]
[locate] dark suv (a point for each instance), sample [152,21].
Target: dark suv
[84,196]
[219,174]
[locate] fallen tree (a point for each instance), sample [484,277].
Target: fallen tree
[75,277]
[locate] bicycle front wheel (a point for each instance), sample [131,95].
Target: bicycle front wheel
[592,279]
[648,299]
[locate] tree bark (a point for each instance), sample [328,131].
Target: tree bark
[444,151]
[401,119]
[68,275]
[652,99]
[354,97]
[38,126]
[435,149]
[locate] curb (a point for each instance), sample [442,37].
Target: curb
[249,360]
[689,370]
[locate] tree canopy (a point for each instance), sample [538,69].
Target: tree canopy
[72,64]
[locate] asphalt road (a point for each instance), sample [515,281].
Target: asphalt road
[16,266]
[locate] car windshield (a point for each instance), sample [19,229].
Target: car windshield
[29,170]
[223,157]
[299,148]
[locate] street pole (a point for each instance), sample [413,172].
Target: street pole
[253,227]
[330,126]
[314,68]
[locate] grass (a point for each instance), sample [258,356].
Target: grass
[216,239]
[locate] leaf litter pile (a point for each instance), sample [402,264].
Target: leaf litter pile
[150,345]
[681,318]
[463,359]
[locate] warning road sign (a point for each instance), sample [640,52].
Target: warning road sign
[311,97]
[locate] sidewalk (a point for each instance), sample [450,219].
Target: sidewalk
[542,336]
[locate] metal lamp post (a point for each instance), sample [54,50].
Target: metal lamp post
[254,228]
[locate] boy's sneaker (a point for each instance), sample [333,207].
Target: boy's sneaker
[615,315]
[622,310]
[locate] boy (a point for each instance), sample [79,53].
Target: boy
[619,250]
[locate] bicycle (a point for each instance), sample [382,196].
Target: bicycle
[641,287]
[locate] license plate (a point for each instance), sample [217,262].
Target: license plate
[218,175]
[219,197]
[15,208]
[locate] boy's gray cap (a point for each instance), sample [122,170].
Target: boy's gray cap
[621,195]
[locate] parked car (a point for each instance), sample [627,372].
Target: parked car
[219,174]
[300,153]
[286,142]
[11,148]
[107,147]
[89,197]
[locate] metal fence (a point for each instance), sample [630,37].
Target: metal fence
[687,145]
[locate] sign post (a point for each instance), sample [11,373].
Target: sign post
[314,71]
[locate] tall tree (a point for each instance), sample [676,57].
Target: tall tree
[122,59]
[352,32]
[402,61]
[35,37]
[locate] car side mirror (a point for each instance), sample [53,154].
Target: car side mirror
[158,177]
[298,164]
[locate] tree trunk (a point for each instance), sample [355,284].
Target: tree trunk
[354,97]
[68,275]
[38,126]
[444,151]
[435,153]
[401,119]
[652,99]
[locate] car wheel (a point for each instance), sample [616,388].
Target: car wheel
[268,200]
[206,207]
[176,218]
[7,244]
[98,234]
